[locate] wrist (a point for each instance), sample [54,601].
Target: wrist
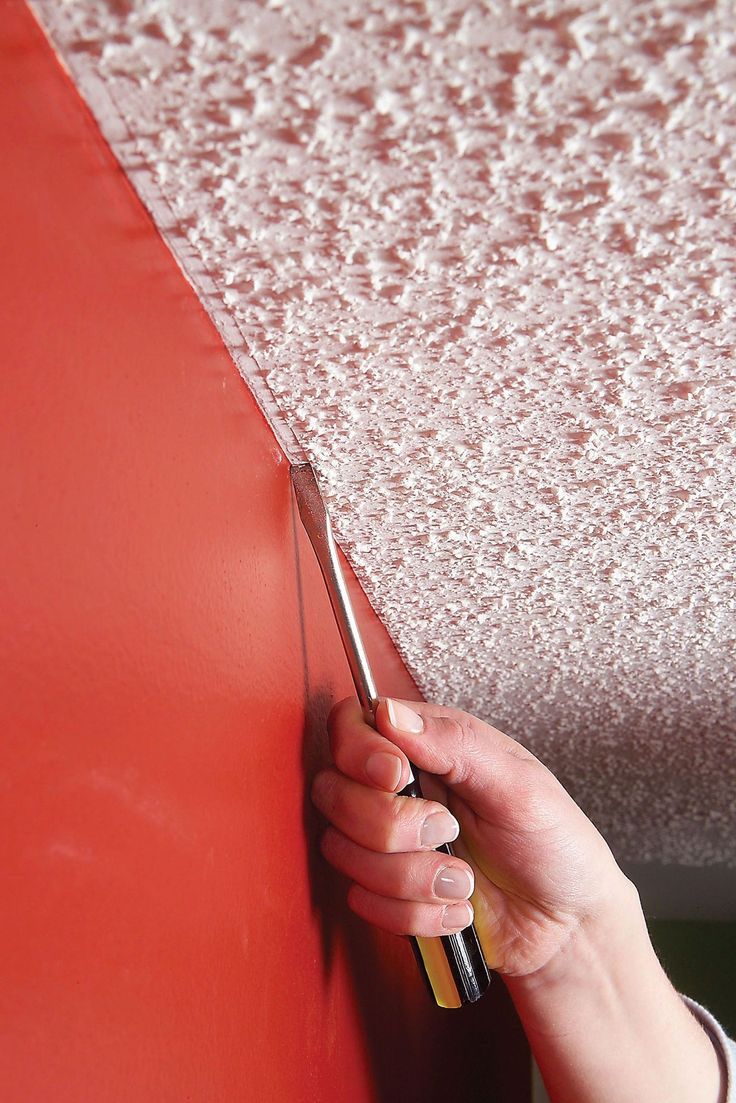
[600,949]
[604,1022]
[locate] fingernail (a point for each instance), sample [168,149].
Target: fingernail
[439,828]
[384,769]
[403,718]
[453,883]
[457,916]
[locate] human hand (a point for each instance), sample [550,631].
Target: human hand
[539,867]
[554,913]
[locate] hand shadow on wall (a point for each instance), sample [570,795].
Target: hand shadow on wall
[380,995]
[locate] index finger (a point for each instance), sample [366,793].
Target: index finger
[361,753]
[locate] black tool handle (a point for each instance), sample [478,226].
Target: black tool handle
[453,965]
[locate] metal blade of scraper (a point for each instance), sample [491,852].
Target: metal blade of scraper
[316,521]
[452,965]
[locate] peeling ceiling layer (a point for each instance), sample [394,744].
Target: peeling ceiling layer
[481,259]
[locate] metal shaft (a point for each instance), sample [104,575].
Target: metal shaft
[316,521]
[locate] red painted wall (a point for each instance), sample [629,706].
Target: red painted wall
[167,930]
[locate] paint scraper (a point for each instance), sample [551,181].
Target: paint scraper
[453,965]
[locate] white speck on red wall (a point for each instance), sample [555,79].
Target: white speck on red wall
[481,259]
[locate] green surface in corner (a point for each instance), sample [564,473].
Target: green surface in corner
[700,959]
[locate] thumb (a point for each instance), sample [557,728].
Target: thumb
[466,753]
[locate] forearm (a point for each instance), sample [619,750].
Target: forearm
[605,1024]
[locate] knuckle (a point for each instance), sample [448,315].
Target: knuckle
[396,811]
[329,843]
[449,727]
[468,737]
[425,920]
[415,918]
[357,897]
[465,736]
[405,815]
[391,825]
[416,882]
[459,727]
[325,791]
[341,853]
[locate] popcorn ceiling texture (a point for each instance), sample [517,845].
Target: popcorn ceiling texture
[481,259]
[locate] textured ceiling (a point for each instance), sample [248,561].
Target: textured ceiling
[481,259]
